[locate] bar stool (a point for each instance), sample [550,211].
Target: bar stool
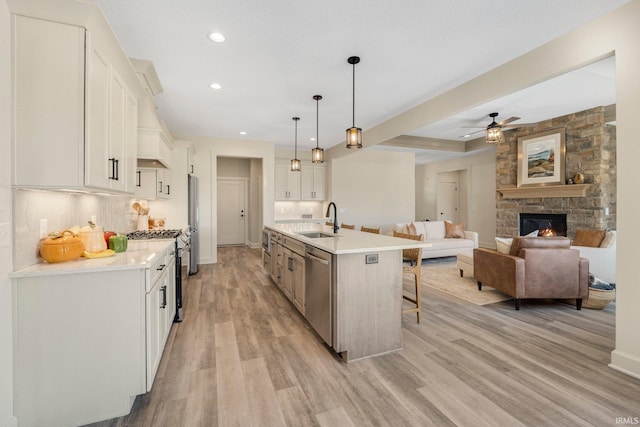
[347,226]
[370,230]
[414,256]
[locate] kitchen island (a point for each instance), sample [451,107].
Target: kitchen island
[89,333]
[359,312]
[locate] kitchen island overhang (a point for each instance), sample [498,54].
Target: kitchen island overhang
[365,296]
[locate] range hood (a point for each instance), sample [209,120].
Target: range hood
[154,147]
[154,139]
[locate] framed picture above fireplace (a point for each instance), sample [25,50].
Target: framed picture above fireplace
[541,159]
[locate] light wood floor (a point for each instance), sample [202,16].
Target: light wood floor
[243,356]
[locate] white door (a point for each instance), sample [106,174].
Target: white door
[231,211]
[447,203]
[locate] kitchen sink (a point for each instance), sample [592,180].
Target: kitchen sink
[316,234]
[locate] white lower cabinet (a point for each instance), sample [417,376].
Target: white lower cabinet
[160,311]
[87,343]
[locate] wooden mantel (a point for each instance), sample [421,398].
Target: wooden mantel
[573,190]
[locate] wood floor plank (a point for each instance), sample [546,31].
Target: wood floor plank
[245,356]
[262,398]
[233,404]
[335,417]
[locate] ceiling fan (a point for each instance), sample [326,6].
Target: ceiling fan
[494,130]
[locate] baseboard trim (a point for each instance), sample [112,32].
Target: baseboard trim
[253,245]
[626,363]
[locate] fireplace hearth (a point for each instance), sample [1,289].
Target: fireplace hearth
[546,224]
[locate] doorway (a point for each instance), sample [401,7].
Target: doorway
[451,200]
[232,211]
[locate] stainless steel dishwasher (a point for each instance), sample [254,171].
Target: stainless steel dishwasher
[317,305]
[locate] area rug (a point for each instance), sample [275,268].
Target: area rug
[445,277]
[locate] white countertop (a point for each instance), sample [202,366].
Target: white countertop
[139,255]
[346,241]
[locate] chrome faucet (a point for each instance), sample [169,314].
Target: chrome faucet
[335,216]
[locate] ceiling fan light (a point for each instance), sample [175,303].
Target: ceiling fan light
[494,134]
[354,137]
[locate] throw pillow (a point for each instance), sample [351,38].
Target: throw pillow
[416,228]
[503,245]
[589,238]
[455,231]
[411,229]
[609,240]
[401,227]
[434,230]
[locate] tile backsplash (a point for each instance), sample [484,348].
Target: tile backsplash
[291,210]
[63,210]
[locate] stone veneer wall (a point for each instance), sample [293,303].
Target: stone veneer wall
[590,149]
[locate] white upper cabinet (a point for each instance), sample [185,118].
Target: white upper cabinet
[287,182]
[76,116]
[308,184]
[48,140]
[312,181]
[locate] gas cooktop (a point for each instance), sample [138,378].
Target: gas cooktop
[153,234]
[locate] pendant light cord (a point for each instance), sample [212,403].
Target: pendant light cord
[295,156]
[317,127]
[353,124]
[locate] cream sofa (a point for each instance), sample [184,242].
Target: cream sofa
[602,260]
[434,233]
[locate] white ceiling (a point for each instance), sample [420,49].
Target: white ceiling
[279,54]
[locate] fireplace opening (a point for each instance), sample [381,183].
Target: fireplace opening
[546,224]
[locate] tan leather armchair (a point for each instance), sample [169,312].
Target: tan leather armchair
[537,267]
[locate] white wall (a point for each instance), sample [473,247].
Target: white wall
[205,163]
[481,192]
[377,188]
[232,167]
[6,334]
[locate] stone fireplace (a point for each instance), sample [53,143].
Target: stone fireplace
[544,224]
[590,149]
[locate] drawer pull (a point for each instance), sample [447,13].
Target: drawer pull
[161,267]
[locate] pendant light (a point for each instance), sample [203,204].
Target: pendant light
[317,154]
[295,163]
[354,134]
[494,131]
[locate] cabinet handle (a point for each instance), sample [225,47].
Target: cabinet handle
[112,160]
[161,267]
[139,184]
[191,168]
[117,169]
[160,184]
[290,265]
[168,189]
[164,296]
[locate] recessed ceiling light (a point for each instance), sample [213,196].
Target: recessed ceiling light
[312,139]
[243,133]
[215,86]
[217,37]
[467,136]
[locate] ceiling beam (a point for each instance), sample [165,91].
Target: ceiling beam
[423,143]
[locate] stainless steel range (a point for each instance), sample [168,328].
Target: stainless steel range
[182,243]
